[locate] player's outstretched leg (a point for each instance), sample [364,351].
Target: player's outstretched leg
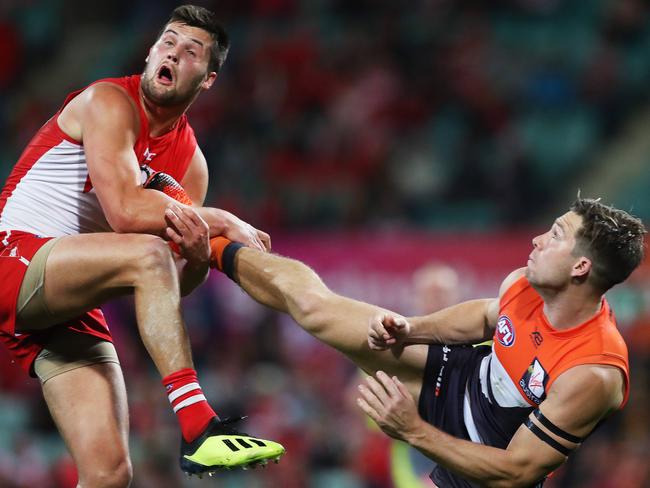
[340,322]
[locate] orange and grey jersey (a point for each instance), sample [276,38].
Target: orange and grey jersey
[49,191]
[528,355]
[484,394]
[531,354]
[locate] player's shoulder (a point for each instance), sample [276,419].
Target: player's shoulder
[494,306]
[510,280]
[102,104]
[599,383]
[109,95]
[108,104]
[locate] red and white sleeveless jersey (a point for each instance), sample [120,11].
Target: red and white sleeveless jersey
[49,192]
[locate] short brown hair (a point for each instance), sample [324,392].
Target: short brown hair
[613,240]
[203,18]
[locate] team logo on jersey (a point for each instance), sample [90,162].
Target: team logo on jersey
[148,155]
[505,331]
[534,381]
[537,338]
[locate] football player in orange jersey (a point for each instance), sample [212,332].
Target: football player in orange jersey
[505,415]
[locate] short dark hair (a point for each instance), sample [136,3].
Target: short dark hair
[613,240]
[203,18]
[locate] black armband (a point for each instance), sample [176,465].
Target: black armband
[555,429]
[546,438]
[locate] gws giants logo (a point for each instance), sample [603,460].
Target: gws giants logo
[505,331]
[533,382]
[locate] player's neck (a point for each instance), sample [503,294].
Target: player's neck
[161,119]
[570,307]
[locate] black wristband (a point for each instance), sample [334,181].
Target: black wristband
[228,259]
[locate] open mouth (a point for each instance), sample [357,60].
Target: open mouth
[165,74]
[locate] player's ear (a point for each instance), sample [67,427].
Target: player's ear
[209,80]
[581,268]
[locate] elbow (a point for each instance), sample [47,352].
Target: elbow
[121,220]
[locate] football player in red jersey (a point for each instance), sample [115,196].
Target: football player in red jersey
[77,227]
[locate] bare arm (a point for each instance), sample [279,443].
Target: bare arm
[106,120]
[466,323]
[109,124]
[577,401]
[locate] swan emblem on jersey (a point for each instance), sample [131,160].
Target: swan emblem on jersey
[534,381]
[148,155]
[505,331]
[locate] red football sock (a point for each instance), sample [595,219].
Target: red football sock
[188,402]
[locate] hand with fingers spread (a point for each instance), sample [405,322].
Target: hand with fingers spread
[190,233]
[387,330]
[239,231]
[388,402]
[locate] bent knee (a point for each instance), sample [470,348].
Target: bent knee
[117,474]
[149,253]
[312,306]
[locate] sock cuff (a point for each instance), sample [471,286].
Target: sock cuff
[217,246]
[228,259]
[222,255]
[186,375]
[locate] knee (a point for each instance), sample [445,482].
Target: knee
[151,254]
[117,474]
[311,306]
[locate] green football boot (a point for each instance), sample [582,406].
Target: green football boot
[222,447]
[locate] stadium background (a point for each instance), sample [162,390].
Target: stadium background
[369,137]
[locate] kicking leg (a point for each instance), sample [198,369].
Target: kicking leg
[83,271]
[290,286]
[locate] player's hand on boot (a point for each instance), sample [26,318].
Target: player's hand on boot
[387,330]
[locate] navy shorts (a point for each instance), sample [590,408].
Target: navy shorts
[446,374]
